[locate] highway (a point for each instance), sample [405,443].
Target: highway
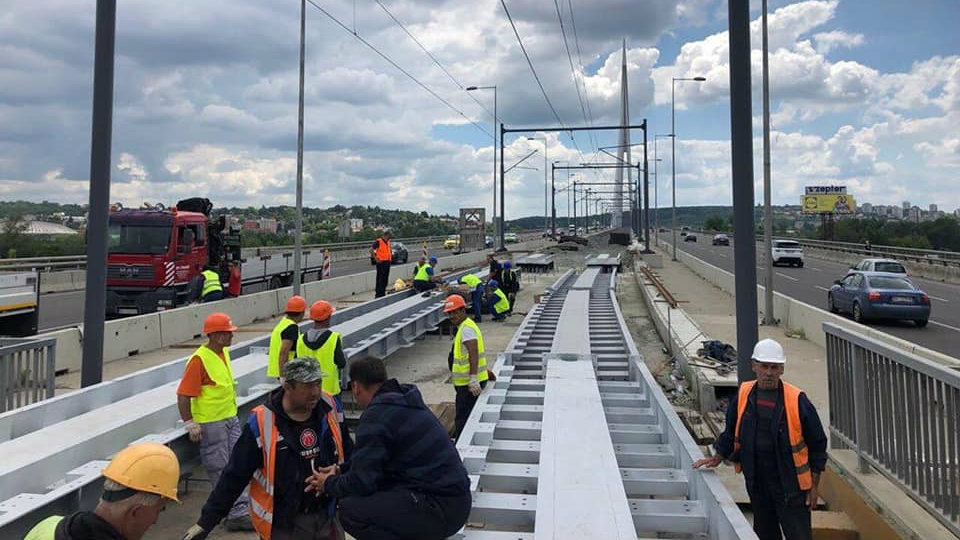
[811,283]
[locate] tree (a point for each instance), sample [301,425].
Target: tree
[717,223]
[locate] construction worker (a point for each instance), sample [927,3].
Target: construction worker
[235,280]
[382,255]
[207,401]
[426,278]
[283,338]
[774,435]
[138,483]
[325,346]
[476,294]
[466,360]
[297,431]
[495,267]
[212,289]
[510,283]
[497,303]
[405,479]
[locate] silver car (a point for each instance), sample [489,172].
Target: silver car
[891,266]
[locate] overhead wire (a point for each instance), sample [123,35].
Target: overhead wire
[573,71]
[576,40]
[399,68]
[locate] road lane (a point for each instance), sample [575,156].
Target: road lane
[811,283]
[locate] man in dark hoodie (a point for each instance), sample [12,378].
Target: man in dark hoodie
[138,483]
[297,431]
[405,479]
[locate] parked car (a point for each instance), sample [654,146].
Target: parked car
[690,237]
[787,252]
[510,238]
[881,265]
[879,295]
[452,242]
[400,253]
[721,240]
[684,233]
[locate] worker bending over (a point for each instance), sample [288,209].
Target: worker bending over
[325,346]
[426,277]
[283,339]
[475,284]
[211,289]
[405,479]
[497,303]
[467,362]
[773,433]
[297,431]
[207,401]
[138,483]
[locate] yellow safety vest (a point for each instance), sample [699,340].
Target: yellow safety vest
[422,274]
[219,401]
[461,357]
[211,283]
[324,355]
[273,354]
[502,304]
[45,530]
[471,280]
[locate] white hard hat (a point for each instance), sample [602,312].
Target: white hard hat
[769,351]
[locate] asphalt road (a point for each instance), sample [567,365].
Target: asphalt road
[811,283]
[64,309]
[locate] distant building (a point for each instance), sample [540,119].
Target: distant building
[263,224]
[356,225]
[933,208]
[906,206]
[913,214]
[44,228]
[866,208]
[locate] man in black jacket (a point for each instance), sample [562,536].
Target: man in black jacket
[309,434]
[405,479]
[773,433]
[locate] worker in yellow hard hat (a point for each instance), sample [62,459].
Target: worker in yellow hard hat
[207,401]
[137,485]
[283,339]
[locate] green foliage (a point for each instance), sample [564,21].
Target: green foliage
[718,223]
[942,234]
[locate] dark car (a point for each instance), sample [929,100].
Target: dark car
[690,238]
[879,295]
[721,240]
[400,254]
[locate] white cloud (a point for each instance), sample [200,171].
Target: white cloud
[835,39]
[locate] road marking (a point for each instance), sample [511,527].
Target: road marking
[815,269]
[722,255]
[788,277]
[947,326]
[824,289]
[938,298]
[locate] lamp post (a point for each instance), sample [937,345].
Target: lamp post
[656,184]
[768,316]
[298,233]
[494,88]
[673,149]
[546,221]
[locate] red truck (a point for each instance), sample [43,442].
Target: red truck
[156,256]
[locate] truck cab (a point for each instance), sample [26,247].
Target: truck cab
[19,298]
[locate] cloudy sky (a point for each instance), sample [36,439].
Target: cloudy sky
[864,94]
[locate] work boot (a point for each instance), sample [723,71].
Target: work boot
[242,523]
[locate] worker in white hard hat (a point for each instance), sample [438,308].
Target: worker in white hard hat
[774,436]
[138,483]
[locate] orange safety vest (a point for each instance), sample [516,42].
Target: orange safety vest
[791,402]
[383,252]
[261,485]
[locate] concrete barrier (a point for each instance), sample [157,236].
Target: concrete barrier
[806,318]
[62,281]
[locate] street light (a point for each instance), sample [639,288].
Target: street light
[673,149]
[545,210]
[494,88]
[656,184]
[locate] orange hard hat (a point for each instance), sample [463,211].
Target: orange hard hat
[453,303]
[218,322]
[296,304]
[321,310]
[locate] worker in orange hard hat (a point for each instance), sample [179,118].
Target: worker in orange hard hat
[207,401]
[283,339]
[138,483]
[325,346]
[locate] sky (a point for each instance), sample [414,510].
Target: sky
[863,94]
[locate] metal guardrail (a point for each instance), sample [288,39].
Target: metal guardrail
[899,413]
[27,371]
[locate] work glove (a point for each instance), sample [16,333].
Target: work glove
[195,533]
[474,386]
[193,429]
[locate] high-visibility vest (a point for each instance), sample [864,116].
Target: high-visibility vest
[471,280]
[219,401]
[211,283]
[791,402]
[503,304]
[262,423]
[422,274]
[324,355]
[45,530]
[276,341]
[383,252]
[461,357]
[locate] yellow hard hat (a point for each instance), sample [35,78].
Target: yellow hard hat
[149,467]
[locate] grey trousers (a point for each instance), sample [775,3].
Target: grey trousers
[216,445]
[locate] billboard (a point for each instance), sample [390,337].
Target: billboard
[829,204]
[825,190]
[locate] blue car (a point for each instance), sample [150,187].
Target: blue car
[879,295]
